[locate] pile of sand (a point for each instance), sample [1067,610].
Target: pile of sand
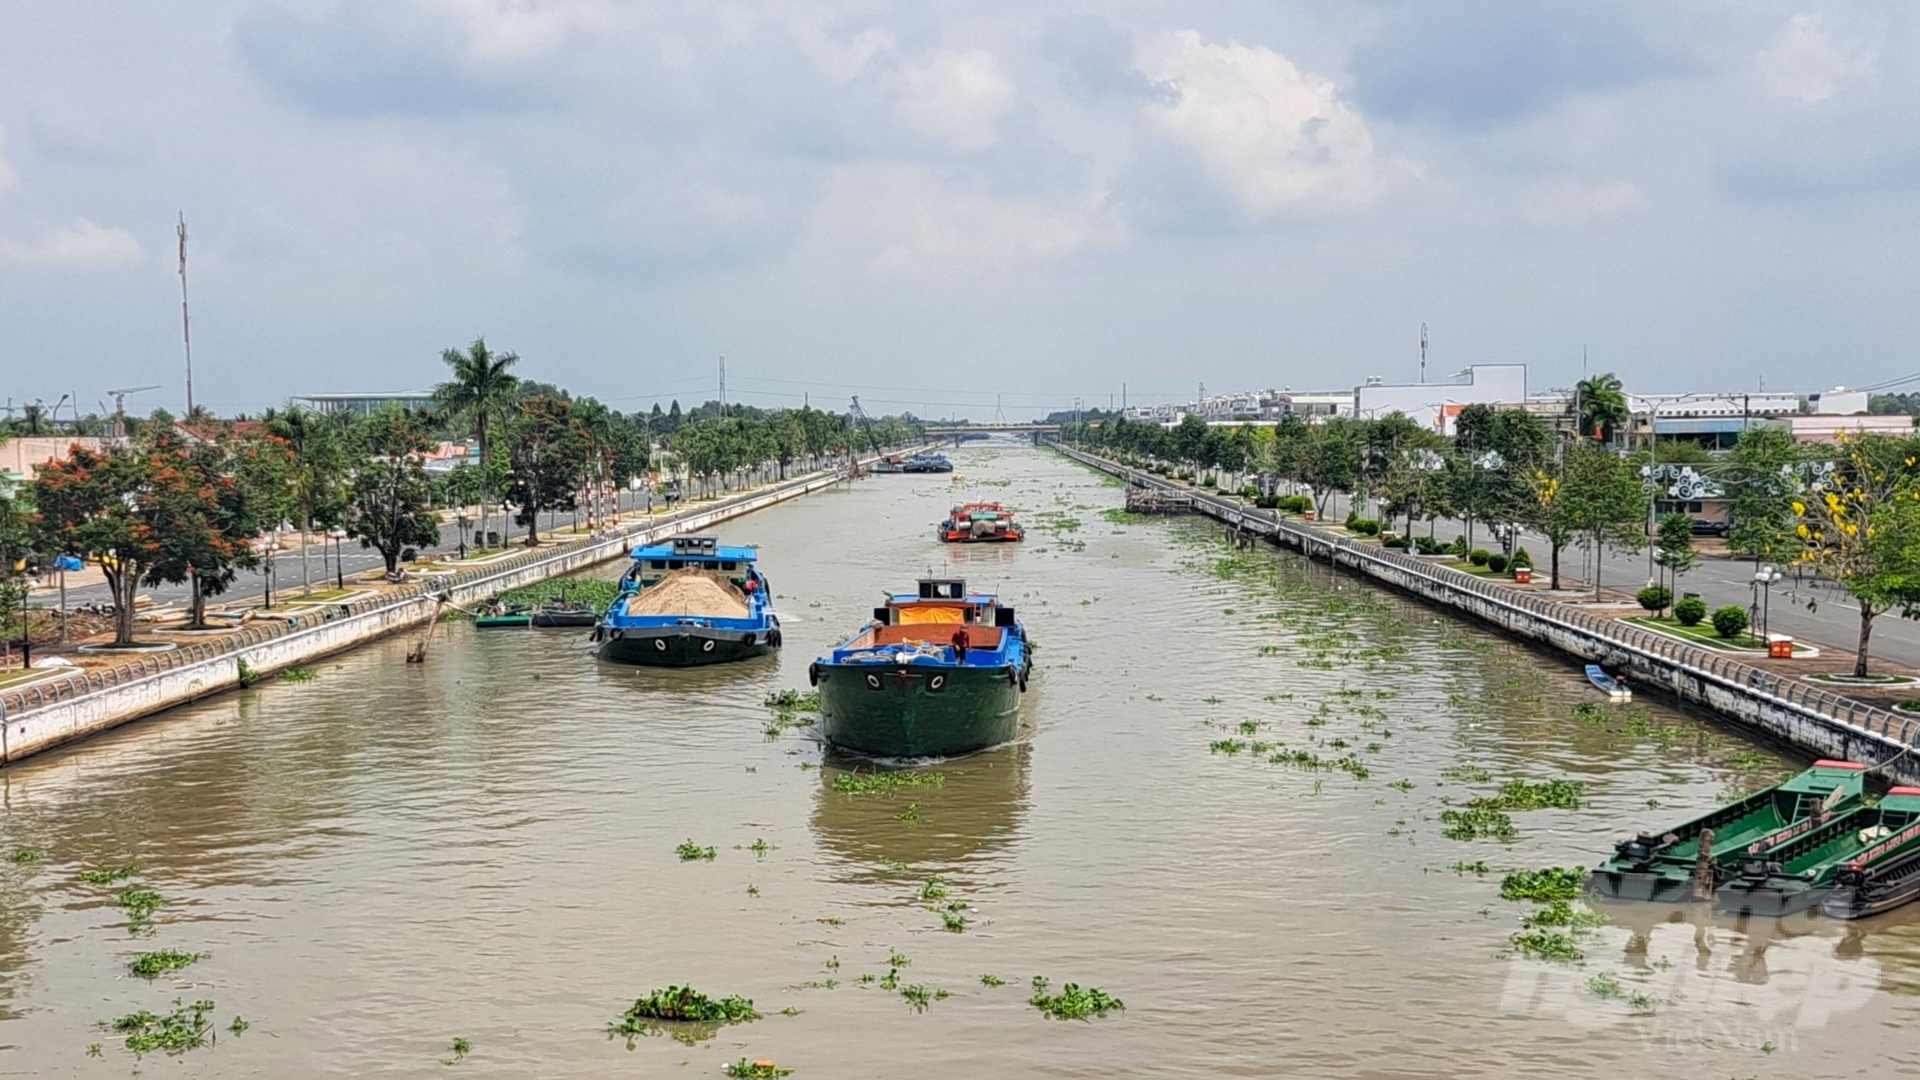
[690,592]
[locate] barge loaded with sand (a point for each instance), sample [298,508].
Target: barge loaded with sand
[689,602]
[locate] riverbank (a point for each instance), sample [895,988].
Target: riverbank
[50,712]
[1810,718]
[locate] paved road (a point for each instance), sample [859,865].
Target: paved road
[1832,620]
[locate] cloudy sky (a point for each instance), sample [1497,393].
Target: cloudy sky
[931,203]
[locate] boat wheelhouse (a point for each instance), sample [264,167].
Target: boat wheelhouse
[1691,860]
[980,523]
[938,672]
[687,602]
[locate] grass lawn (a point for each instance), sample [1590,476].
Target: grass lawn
[11,680]
[1703,634]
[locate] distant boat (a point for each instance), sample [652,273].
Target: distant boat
[687,603]
[927,463]
[1614,686]
[564,613]
[938,672]
[980,523]
[513,618]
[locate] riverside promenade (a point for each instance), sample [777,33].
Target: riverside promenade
[1788,709]
[64,707]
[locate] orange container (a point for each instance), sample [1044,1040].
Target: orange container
[1524,575]
[1780,648]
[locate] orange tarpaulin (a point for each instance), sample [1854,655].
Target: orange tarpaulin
[922,613]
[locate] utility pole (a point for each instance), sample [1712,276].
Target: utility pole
[186,335]
[1423,353]
[723,387]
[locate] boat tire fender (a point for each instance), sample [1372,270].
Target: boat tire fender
[660,644]
[813,674]
[773,638]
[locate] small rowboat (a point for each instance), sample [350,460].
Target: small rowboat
[1613,686]
[511,619]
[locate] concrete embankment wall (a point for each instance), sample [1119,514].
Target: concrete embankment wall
[58,711]
[1818,721]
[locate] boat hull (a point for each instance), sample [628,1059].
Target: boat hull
[969,538]
[553,619]
[682,646]
[503,622]
[885,710]
[1656,886]
[1769,898]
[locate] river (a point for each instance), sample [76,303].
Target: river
[390,857]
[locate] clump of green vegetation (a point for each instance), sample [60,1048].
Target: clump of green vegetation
[299,674]
[112,875]
[911,813]
[919,995]
[992,980]
[885,782]
[597,593]
[23,856]
[953,922]
[1072,1002]
[139,904]
[185,1028]
[461,1048]
[1577,920]
[1226,746]
[1608,988]
[682,1004]
[757,1070]
[788,701]
[239,1026]
[1465,774]
[759,847]
[152,965]
[1475,868]
[692,852]
[1543,886]
[1550,945]
[1522,795]
[1475,824]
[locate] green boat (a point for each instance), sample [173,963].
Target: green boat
[1783,878]
[1690,861]
[936,674]
[517,618]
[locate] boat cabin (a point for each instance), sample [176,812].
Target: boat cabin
[653,562]
[933,613]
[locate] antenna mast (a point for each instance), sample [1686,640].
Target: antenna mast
[1423,352]
[186,334]
[723,387]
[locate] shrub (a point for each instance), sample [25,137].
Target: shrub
[1364,526]
[1478,556]
[1429,545]
[1352,522]
[1267,502]
[1729,621]
[1520,559]
[1690,611]
[1250,492]
[1208,481]
[1398,543]
[1296,504]
[1655,597]
[1458,547]
[1497,562]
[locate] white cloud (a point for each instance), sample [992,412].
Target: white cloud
[84,246]
[1274,138]
[1805,64]
[905,219]
[1568,201]
[956,99]
[7,179]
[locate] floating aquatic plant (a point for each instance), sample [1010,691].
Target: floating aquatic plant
[911,813]
[1072,1002]
[152,965]
[682,1004]
[1523,795]
[460,1049]
[23,856]
[692,852]
[1550,945]
[757,1070]
[883,782]
[919,995]
[139,904]
[184,1028]
[299,674]
[1543,886]
[1577,920]
[794,701]
[1475,824]
[110,876]
[238,1026]
[1466,774]
[992,980]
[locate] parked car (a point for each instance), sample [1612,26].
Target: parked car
[1710,528]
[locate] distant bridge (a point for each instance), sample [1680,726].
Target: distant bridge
[950,431]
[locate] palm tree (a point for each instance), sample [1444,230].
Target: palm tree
[318,469]
[481,392]
[1600,404]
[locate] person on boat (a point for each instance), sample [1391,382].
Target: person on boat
[962,641]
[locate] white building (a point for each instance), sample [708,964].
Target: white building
[1838,401]
[1436,404]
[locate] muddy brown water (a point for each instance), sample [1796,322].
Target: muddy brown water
[389,857]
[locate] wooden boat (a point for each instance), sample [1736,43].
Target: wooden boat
[980,523]
[1690,861]
[689,602]
[514,618]
[890,464]
[564,613]
[1614,686]
[1804,870]
[936,673]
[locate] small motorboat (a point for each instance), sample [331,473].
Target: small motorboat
[513,618]
[980,523]
[564,613]
[1614,686]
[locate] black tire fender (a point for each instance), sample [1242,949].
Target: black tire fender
[813,674]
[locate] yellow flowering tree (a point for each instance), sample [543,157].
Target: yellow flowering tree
[1860,528]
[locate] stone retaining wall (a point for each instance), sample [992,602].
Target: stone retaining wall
[1818,721]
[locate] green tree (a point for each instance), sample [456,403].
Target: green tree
[390,505]
[1861,528]
[1327,459]
[1673,548]
[481,395]
[1600,406]
[316,474]
[549,452]
[1760,476]
[1601,498]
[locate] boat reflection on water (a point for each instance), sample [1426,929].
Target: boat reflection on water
[1675,945]
[909,832]
[688,683]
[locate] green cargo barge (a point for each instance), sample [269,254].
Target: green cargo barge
[1805,869]
[1692,860]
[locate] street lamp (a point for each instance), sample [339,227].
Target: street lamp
[460,520]
[339,573]
[1763,580]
